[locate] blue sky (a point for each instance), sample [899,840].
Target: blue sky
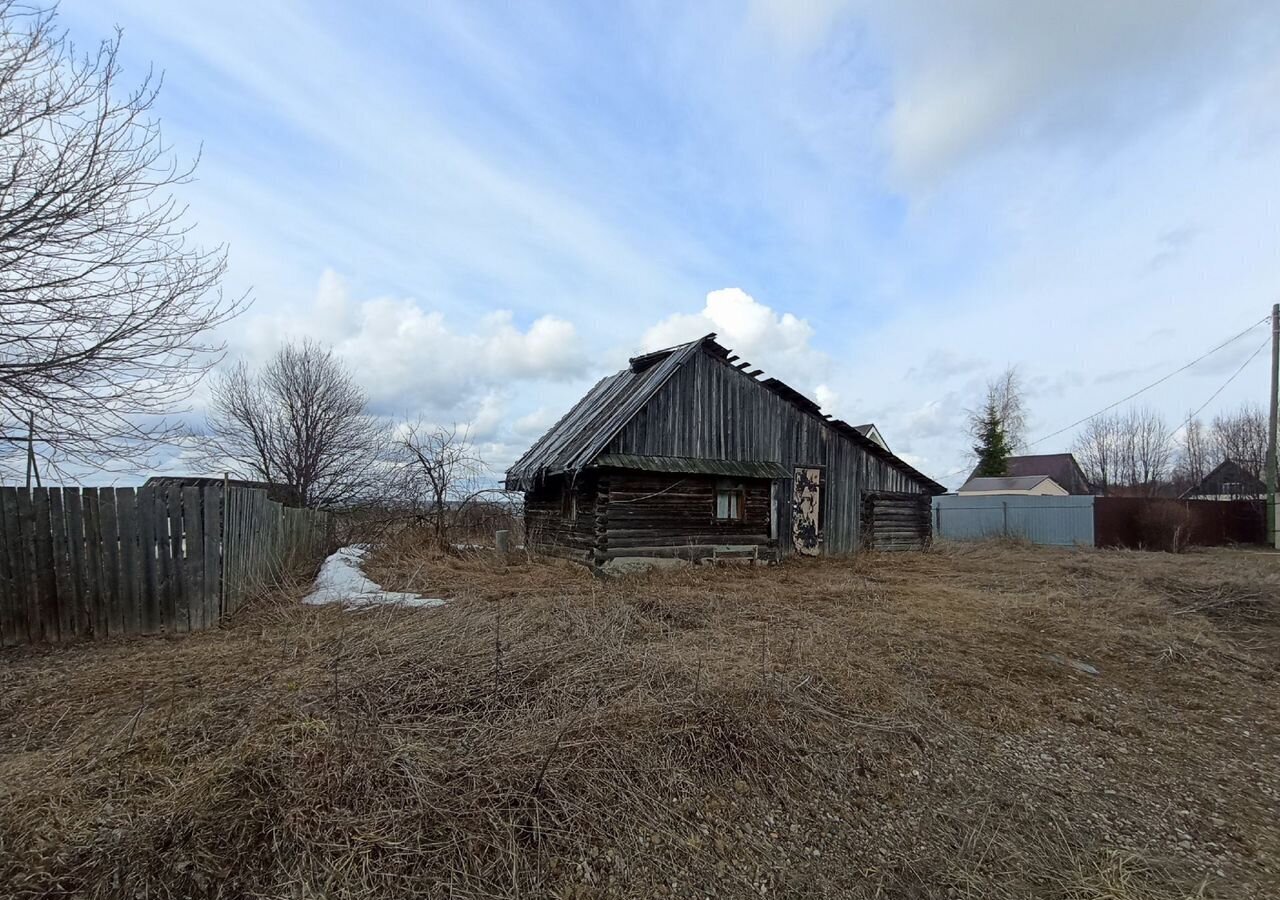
[486,206]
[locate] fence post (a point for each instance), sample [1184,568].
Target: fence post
[1004,508]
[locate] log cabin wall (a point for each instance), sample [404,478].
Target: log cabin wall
[558,529]
[710,409]
[662,514]
[896,521]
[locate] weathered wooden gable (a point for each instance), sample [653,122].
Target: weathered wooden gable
[708,408]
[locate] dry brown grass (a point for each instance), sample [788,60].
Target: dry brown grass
[891,726]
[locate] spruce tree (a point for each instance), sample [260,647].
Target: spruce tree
[993,447]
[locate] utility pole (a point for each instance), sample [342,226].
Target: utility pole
[1271,431]
[32,468]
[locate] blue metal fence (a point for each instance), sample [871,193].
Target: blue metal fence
[1063,521]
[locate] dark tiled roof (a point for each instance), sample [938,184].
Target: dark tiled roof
[1061,467]
[1005,483]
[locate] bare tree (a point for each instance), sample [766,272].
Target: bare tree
[105,306]
[1146,450]
[1098,448]
[1004,399]
[1241,436]
[300,421]
[1130,451]
[438,472]
[1194,455]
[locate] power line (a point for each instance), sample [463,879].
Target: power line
[1156,383]
[1224,384]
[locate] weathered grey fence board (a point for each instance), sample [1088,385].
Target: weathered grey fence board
[72,507]
[174,589]
[12,621]
[47,590]
[30,582]
[212,509]
[105,562]
[192,539]
[58,553]
[133,523]
[92,562]
[110,584]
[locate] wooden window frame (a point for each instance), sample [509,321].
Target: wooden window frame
[727,486]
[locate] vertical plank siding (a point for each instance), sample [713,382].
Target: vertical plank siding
[109,562]
[709,409]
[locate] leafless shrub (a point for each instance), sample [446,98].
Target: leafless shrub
[1165,525]
[105,306]
[440,480]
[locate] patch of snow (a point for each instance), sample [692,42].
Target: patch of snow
[342,580]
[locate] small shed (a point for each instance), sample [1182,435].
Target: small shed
[689,453]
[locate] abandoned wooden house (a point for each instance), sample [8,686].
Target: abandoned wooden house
[689,453]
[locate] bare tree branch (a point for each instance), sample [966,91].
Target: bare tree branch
[300,421]
[438,473]
[105,306]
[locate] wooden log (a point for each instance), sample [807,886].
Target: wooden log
[682,551]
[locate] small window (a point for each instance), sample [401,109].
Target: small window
[730,498]
[1232,487]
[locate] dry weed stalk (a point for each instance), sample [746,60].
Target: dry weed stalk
[887,725]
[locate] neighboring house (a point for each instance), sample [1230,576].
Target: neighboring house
[281,493]
[1061,467]
[686,453]
[1229,481]
[1024,485]
[871,431]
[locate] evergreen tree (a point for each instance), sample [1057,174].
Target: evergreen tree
[992,449]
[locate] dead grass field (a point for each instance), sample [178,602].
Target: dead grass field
[912,725]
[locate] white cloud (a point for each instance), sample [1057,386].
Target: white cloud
[970,75]
[778,343]
[828,399]
[413,360]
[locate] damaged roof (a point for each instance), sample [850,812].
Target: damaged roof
[581,435]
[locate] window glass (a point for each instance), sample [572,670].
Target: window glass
[729,498]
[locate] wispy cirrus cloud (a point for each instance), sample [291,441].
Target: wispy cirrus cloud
[906,196]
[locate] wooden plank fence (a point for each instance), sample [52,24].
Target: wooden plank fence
[105,562]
